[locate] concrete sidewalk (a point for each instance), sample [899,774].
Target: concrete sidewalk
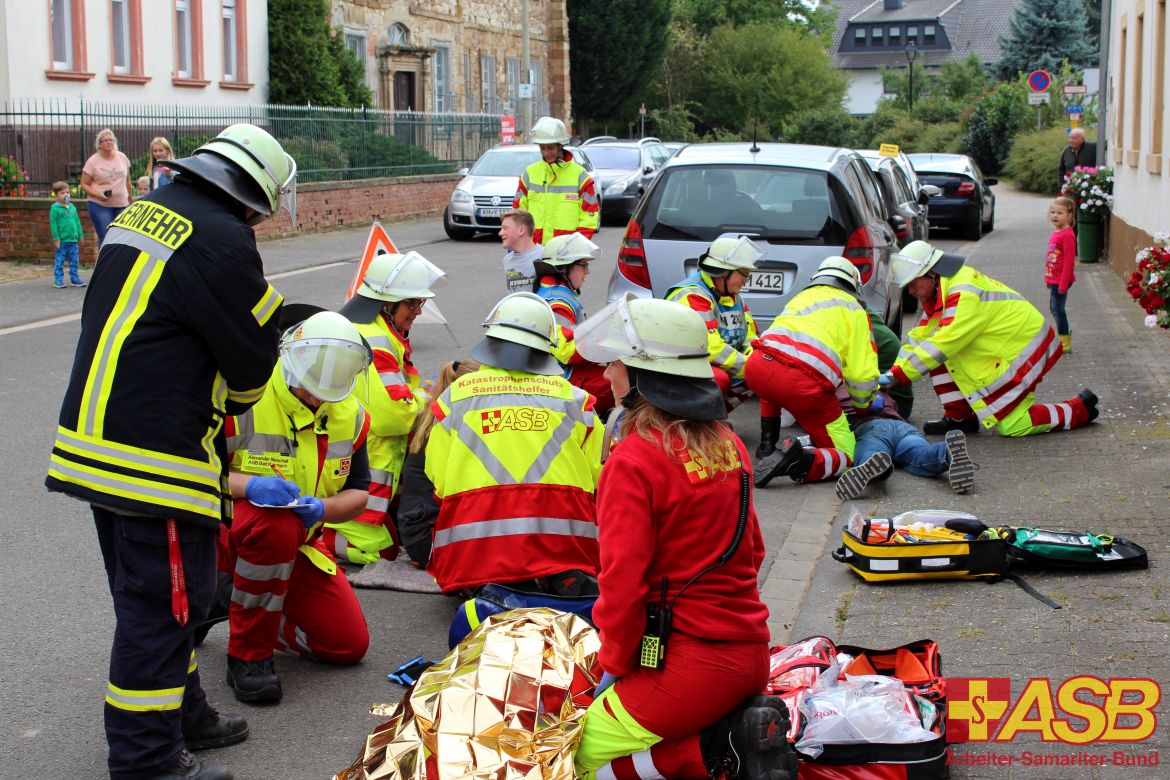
[1113,476]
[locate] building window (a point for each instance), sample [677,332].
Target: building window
[230,50]
[67,39]
[398,35]
[911,35]
[928,34]
[859,37]
[189,40]
[468,84]
[120,34]
[441,75]
[877,33]
[62,35]
[1139,67]
[356,43]
[539,99]
[513,66]
[895,36]
[487,84]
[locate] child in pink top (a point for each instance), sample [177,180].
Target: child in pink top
[1060,267]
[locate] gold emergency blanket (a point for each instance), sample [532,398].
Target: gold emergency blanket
[506,703]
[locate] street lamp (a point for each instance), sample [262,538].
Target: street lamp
[911,55]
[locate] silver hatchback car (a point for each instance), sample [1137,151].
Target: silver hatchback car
[800,204]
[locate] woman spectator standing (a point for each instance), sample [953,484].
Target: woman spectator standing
[156,169]
[106,181]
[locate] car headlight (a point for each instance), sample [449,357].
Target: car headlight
[621,187]
[461,196]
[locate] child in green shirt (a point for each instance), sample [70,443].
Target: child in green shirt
[65,225]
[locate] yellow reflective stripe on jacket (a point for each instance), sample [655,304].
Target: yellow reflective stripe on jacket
[192,665]
[144,701]
[131,303]
[267,305]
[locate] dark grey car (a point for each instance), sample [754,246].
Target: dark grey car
[623,171]
[800,204]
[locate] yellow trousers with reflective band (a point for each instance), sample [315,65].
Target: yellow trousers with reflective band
[610,732]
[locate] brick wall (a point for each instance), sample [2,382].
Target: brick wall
[24,222]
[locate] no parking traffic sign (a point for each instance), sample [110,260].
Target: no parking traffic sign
[1039,80]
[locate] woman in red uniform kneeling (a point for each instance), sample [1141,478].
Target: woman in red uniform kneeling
[678,535]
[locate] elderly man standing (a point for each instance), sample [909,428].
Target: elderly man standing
[556,190]
[1077,153]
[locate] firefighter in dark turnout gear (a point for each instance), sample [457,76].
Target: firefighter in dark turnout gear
[179,329]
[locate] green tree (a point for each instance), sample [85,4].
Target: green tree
[634,34]
[307,63]
[707,15]
[768,72]
[1043,34]
[994,123]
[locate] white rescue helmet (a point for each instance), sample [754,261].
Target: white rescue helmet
[324,355]
[391,278]
[919,258]
[519,334]
[562,251]
[837,267]
[549,130]
[731,253]
[647,333]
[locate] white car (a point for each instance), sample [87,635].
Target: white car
[487,189]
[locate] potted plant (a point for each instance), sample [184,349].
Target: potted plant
[13,179]
[1092,189]
[1150,283]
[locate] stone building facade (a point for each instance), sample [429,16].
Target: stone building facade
[459,55]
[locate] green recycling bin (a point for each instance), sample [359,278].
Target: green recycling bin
[1090,230]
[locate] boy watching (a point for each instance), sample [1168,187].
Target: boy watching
[65,226]
[516,229]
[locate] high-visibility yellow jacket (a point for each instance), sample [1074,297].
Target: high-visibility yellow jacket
[994,343]
[315,449]
[514,458]
[561,198]
[730,326]
[829,331]
[179,329]
[391,392]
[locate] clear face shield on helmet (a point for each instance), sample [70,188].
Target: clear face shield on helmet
[743,253]
[413,277]
[572,248]
[325,367]
[611,335]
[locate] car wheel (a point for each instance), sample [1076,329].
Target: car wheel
[975,229]
[454,232]
[990,226]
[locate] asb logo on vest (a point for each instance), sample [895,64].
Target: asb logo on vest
[521,419]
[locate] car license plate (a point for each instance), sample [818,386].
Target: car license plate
[766,281]
[491,212]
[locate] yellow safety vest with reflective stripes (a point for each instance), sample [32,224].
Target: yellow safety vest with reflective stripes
[730,326]
[179,329]
[829,331]
[281,432]
[560,197]
[994,343]
[514,458]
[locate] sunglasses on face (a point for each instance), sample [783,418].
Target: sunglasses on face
[414,303]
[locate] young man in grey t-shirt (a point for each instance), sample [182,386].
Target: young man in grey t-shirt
[516,234]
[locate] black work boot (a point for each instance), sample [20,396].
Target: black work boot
[187,767]
[220,605]
[1089,399]
[769,436]
[855,480]
[962,471]
[215,731]
[751,743]
[254,682]
[789,460]
[947,424]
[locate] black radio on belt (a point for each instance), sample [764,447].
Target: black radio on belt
[657,631]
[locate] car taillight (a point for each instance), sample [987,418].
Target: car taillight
[859,251]
[631,261]
[965,188]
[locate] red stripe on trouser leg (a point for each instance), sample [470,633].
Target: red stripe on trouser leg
[322,616]
[954,404]
[678,758]
[827,463]
[260,549]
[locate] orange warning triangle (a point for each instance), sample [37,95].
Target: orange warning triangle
[378,243]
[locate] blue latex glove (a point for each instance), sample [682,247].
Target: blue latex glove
[271,490]
[312,511]
[606,680]
[878,404]
[885,380]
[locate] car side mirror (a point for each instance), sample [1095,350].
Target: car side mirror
[932,190]
[464,171]
[649,169]
[990,182]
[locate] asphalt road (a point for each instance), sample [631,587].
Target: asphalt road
[56,609]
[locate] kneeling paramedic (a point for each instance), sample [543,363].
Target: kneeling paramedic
[514,455]
[303,445]
[820,342]
[985,347]
[684,634]
[391,296]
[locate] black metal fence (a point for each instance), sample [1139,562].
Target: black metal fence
[52,139]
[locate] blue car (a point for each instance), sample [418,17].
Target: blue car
[965,201]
